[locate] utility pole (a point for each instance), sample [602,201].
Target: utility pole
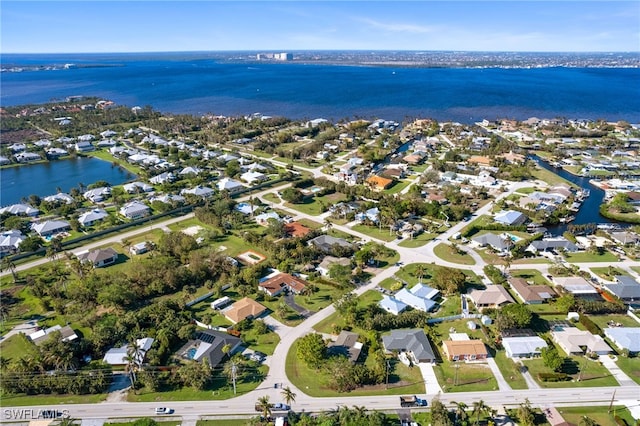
[455,382]
[233,376]
[387,382]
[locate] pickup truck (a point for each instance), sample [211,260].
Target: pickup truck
[412,401]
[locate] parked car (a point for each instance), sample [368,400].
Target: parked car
[164,410]
[280,406]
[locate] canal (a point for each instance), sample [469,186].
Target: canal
[590,210]
[44,179]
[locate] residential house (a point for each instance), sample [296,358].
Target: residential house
[164,177]
[99,258]
[190,171]
[497,242]
[252,177]
[20,210]
[209,345]
[494,296]
[59,198]
[625,338]
[27,157]
[244,309]
[91,217]
[577,286]
[510,217]
[328,261]
[625,288]
[10,242]
[523,346]
[118,356]
[50,227]
[464,350]
[326,243]
[55,153]
[137,187]
[135,210]
[479,160]
[97,195]
[411,344]
[577,342]
[168,199]
[379,183]
[392,305]
[416,302]
[346,344]
[199,191]
[372,215]
[531,294]
[231,185]
[296,229]
[424,291]
[282,282]
[548,244]
[414,159]
[66,334]
[625,238]
[84,146]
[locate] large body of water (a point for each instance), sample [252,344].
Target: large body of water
[45,178]
[200,84]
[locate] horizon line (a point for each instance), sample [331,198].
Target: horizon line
[331,50]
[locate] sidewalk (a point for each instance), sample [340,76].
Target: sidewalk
[613,368]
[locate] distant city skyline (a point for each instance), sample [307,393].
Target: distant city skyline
[160,26]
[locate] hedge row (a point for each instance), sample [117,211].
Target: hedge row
[553,377]
[591,326]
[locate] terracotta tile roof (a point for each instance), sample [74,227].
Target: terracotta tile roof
[296,229]
[461,348]
[244,308]
[379,182]
[274,284]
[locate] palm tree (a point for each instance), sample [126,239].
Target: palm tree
[288,395]
[328,224]
[264,406]
[479,407]
[7,263]
[461,411]
[420,271]
[587,421]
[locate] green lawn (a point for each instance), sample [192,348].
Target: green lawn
[375,232]
[272,198]
[397,187]
[531,275]
[608,273]
[317,205]
[510,371]
[448,253]
[402,380]
[219,389]
[600,414]
[594,374]
[591,257]
[321,298]
[526,191]
[418,241]
[602,320]
[549,177]
[49,400]
[16,346]
[631,366]
[465,377]
[335,319]
[265,343]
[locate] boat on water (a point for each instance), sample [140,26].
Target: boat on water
[567,219]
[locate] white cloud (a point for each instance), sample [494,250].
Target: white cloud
[396,27]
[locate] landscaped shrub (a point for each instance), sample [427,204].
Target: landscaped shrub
[591,326]
[553,377]
[620,421]
[494,275]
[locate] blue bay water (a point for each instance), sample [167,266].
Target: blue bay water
[44,178]
[197,84]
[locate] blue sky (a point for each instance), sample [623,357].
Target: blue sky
[137,26]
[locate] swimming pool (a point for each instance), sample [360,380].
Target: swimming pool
[191,352]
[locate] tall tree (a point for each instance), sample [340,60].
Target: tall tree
[480,408]
[264,405]
[288,395]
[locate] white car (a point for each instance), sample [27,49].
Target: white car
[163,410]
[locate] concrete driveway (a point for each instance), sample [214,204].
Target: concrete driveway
[429,376]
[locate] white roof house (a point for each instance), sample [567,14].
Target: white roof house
[392,305]
[134,187]
[424,291]
[60,197]
[625,337]
[50,227]
[199,191]
[162,178]
[96,195]
[189,170]
[92,216]
[416,302]
[573,340]
[251,177]
[135,210]
[523,347]
[575,285]
[20,209]
[510,217]
[117,356]
[10,241]
[230,185]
